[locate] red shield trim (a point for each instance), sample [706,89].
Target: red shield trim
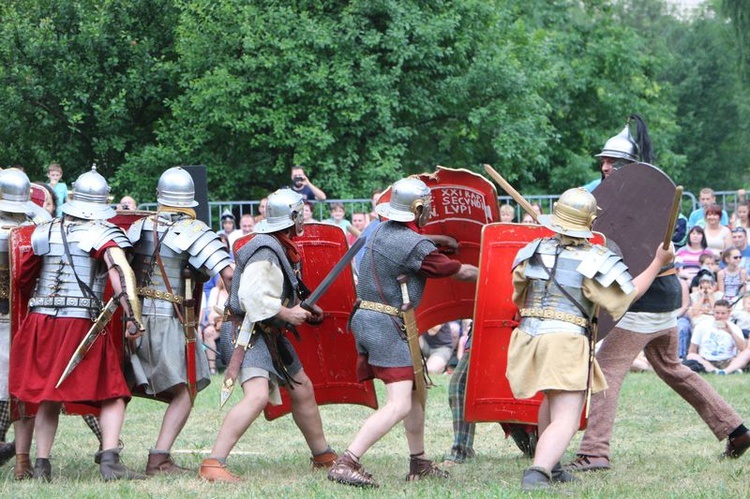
[462,203]
[635,224]
[488,394]
[327,350]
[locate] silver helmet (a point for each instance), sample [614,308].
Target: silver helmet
[15,194]
[573,214]
[621,146]
[284,209]
[410,200]
[176,188]
[90,197]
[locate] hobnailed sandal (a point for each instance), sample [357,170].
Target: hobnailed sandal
[347,470]
[588,463]
[420,468]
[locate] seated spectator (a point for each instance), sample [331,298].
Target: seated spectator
[338,217]
[528,219]
[741,316]
[715,343]
[437,345]
[679,236]
[718,236]
[732,278]
[307,213]
[689,255]
[706,198]
[507,213]
[684,326]
[709,265]
[703,300]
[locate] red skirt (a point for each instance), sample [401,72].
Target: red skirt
[41,350]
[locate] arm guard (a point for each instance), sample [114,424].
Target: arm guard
[116,259]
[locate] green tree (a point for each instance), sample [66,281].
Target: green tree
[82,82]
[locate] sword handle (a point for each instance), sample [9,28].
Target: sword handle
[403,280]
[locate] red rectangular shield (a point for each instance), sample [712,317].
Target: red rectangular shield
[488,394]
[327,350]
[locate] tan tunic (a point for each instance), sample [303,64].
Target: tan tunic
[558,361]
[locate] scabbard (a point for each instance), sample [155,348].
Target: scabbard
[189,328]
[412,338]
[242,343]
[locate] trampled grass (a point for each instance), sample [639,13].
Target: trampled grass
[661,448]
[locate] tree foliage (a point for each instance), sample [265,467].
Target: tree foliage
[362,92]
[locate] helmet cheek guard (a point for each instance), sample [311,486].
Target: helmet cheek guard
[422,209]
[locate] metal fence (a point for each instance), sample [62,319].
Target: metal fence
[321,209]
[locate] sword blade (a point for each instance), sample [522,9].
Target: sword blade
[311,300]
[88,340]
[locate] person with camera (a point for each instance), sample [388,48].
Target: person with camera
[302,186]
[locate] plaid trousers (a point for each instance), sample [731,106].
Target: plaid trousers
[463,432]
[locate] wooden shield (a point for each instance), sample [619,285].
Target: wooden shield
[327,350]
[488,393]
[463,202]
[635,204]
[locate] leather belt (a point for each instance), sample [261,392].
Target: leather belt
[160,295]
[380,307]
[63,301]
[548,313]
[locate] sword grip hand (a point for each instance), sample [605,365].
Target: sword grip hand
[316,313]
[132,331]
[294,316]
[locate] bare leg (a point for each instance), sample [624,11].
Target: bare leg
[45,427]
[111,419]
[175,417]
[242,415]
[436,364]
[564,409]
[398,401]
[306,414]
[414,426]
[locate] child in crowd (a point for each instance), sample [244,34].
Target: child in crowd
[507,213]
[702,300]
[54,174]
[338,217]
[731,279]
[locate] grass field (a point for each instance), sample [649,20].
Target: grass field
[661,448]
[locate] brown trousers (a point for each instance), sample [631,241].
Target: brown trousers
[615,356]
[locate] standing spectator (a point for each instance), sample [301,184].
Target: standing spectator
[507,213]
[741,216]
[528,219]
[716,342]
[359,222]
[684,326]
[718,236]
[438,345]
[227,224]
[706,199]
[127,203]
[373,216]
[739,241]
[307,213]
[247,224]
[54,174]
[731,279]
[302,186]
[679,236]
[688,257]
[338,217]
[261,209]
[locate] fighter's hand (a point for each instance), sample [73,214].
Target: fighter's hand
[133,330]
[294,316]
[316,317]
[664,256]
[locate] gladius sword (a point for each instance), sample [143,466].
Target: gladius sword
[88,340]
[412,338]
[243,341]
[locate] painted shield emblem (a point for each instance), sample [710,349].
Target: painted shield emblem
[488,394]
[463,202]
[327,350]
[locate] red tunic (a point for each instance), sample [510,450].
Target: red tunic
[41,349]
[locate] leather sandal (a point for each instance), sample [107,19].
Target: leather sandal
[347,470]
[23,469]
[212,470]
[162,464]
[535,478]
[420,468]
[588,463]
[736,446]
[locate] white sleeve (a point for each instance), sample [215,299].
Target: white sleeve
[261,286]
